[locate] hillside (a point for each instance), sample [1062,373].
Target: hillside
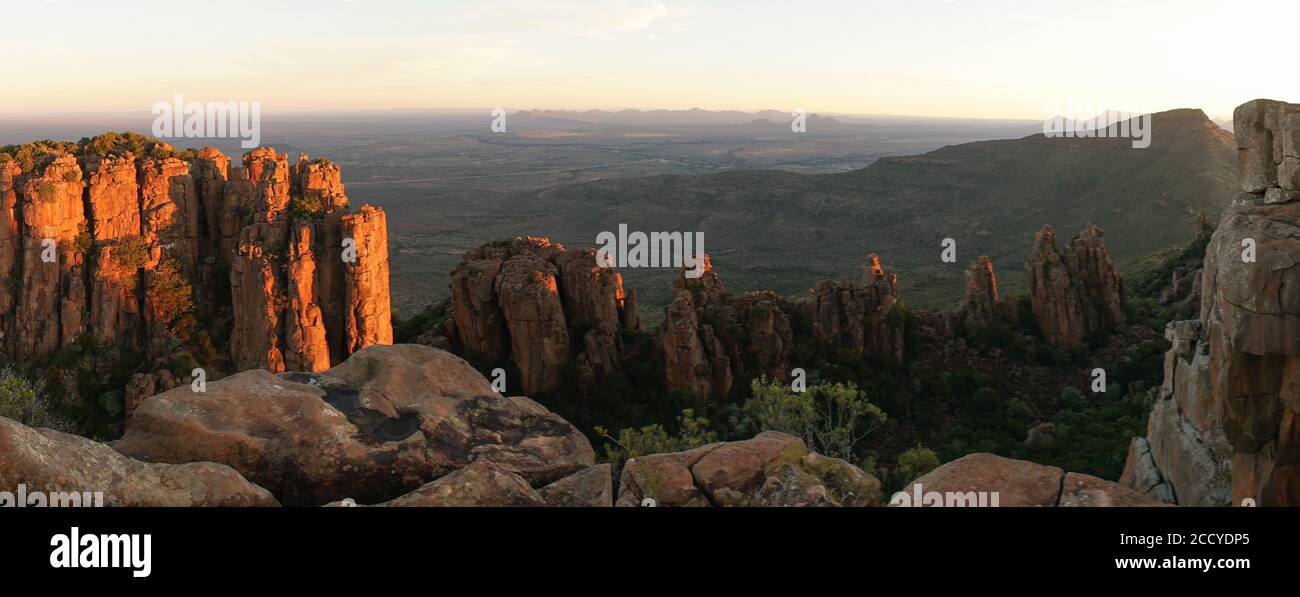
[784,231]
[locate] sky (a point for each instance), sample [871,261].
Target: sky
[990,59]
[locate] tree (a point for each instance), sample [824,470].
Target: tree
[25,401]
[831,418]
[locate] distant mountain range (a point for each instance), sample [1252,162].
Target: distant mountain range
[784,231]
[693,116]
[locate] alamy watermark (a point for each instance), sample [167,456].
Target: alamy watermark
[199,120]
[1080,120]
[919,498]
[656,249]
[54,499]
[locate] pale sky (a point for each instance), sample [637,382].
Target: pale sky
[996,58]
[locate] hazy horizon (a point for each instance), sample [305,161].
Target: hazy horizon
[1005,59]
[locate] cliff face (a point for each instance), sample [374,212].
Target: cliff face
[846,314]
[128,249]
[543,307]
[980,300]
[712,340]
[1074,290]
[1225,428]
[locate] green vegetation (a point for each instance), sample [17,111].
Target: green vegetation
[25,400]
[131,253]
[654,439]
[831,418]
[408,331]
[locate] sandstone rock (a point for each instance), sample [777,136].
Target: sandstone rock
[539,339]
[772,469]
[368,317]
[1141,473]
[306,348]
[49,461]
[480,324]
[211,172]
[858,317]
[1080,490]
[686,364]
[298,303]
[664,478]
[169,210]
[1074,291]
[1256,168]
[1017,482]
[257,293]
[482,483]
[270,175]
[384,422]
[589,487]
[11,241]
[981,298]
[114,201]
[51,296]
[543,307]
[769,338]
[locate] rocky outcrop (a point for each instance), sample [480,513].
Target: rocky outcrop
[1075,290]
[52,302]
[772,469]
[114,200]
[1185,457]
[976,478]
[1250,309]
[860,317]
[49,461]
[1227,409]
[980,301]
[309,279]
[129,248]
[712,340]
[543,307]
[383,423]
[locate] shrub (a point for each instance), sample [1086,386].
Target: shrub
[831,418]
[654,439]
[25,401]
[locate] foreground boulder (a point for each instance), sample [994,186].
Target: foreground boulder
[384,422]
[987,479]
[486,484]
[772,469]
[48,461]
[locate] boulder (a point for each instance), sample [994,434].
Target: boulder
[589,487]
[381,424]
[50,461]
[772,469]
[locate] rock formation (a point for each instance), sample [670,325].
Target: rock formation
[1075,290]
[1185,457]
[410,425]
[48,461]
[128,249]
[309,280]
[1228,407]
[543,307]
[772,469]
[1018,483]
[860,317]
[980,302]
[712,340]
[382,423]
